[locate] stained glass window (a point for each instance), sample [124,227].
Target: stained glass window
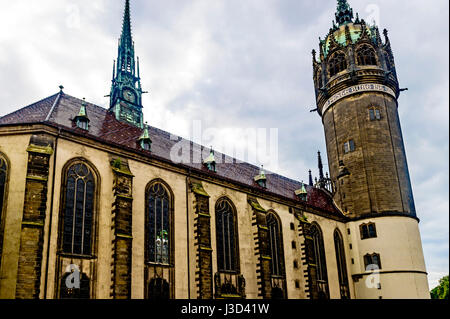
[226,237]
[158,225]
[3,172]
[366,55]
[337,63]
[78,211]
[276,245]
[319,253]
[342,266]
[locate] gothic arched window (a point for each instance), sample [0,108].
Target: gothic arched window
[366,55]
[337,63]
[3,181]
[276,244]
[78,210]
[342,265]
[226,234]
[320,262]
[159,224]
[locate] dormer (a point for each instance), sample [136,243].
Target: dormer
[82,120]
[261,178]
[210,162]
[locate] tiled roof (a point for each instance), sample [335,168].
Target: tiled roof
[105,127]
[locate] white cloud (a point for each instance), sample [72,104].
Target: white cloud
[238,64]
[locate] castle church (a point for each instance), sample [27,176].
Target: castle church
[92,206]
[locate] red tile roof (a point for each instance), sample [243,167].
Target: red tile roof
[104,127]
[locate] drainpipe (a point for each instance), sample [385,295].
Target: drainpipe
[51,213]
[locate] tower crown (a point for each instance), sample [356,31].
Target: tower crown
[126,91]
[347,53]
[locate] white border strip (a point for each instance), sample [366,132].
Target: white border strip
[357,89]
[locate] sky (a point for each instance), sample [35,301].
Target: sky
[239,65]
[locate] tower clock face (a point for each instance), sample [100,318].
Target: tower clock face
[129,96]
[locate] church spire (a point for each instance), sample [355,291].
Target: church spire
[344,13]
[126,37]
[321,176]
[126,91]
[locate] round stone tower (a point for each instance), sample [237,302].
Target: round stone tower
[357,93]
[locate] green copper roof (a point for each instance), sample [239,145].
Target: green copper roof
[339,35]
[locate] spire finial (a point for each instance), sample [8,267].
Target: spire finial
[61,88]
[321,176]
[344,13]
[126,27]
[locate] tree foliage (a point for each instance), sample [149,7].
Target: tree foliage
[441,291]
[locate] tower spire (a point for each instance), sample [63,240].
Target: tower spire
[126,91]
[126,37]
[344,13]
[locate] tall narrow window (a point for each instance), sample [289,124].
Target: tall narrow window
[159,224]
[3,180]
[226,234]
[320,262]
[342,265]
[3,175]
[337,63]
[366,55]
[78,211]
[276,245]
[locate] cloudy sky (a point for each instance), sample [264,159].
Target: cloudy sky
[239,64]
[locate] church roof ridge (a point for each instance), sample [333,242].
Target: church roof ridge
[106,128]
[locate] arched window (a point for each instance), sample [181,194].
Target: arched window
[226,234]
[78,211]
[337,63]
[366,55]
[159,224]
[276,245]
[3,181]
[320,262]
[342,265]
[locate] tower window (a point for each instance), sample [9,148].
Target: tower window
[374,114]
[366,55]
[337,63]
[349,147]
[372,262]
[368,231]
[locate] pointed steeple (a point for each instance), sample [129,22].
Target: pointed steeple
[126,91]
[311,183]
[344,13]
[126,38]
